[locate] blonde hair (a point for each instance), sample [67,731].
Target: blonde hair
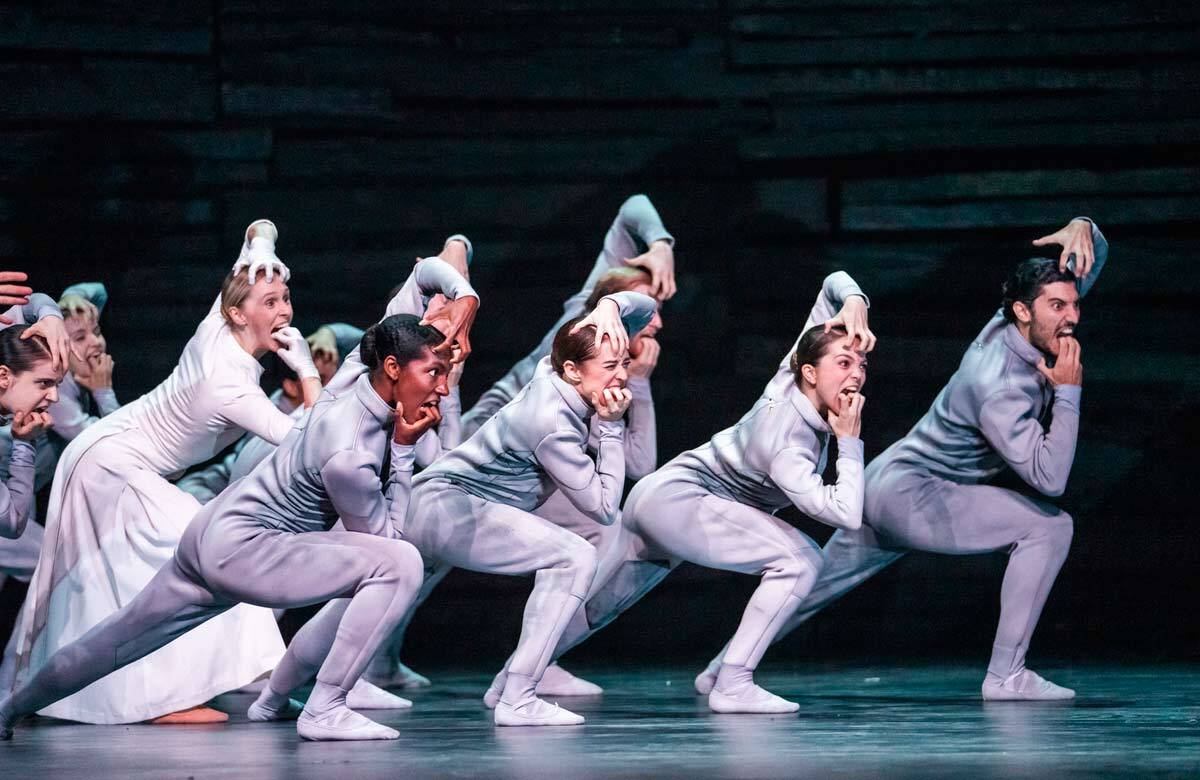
[617,280]
[234,292]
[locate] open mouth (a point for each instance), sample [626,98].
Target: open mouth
[848,391]
[1065,332]
[431,404]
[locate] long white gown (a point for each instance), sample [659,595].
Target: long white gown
[114,520]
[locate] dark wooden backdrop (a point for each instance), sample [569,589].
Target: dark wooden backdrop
[918,144]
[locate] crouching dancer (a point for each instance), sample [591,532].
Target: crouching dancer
[258,543]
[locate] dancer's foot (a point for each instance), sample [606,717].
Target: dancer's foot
[365,696]
[396,675]
[535,712]
[751,698]
[557,681]
[707,679]
[341,723]
[492,697]
[273,706]
[190,717]
[1025,685]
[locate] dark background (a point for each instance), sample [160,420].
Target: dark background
[918,144]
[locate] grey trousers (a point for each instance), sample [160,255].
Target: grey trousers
[223,561]
[910,510]
[669,519]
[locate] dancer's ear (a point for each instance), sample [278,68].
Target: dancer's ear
[571,373]
[809,372]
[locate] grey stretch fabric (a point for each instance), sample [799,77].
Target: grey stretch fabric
[636,226]
[926,491]
[266,541]
[714,506]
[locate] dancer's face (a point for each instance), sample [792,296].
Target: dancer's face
[1054,315]
[29,391]
[422,382]
[267,308]
[606,369]
[87,342]
[842,370]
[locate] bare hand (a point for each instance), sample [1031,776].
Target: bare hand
[606,319]
[611,403]
[55,334]
[1076,240]
[853,317]
[408,433]
[646,360]
[659,260]
[13,294]
[100,375]
[848,419]
[457,367]
[27,425]
[454,319]
[1068,370]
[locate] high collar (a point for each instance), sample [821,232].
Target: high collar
[1020,346]
[367,396]
[571,396]
[807,411]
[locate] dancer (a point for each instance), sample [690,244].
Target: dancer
[114,520]
[28,387]
[714,505]
[621,266]
[267,541]
[928,491]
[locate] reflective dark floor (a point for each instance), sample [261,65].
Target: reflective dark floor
[854,722]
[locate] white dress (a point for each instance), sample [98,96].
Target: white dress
[114,520]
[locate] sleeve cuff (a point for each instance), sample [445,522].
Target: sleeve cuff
[106,399]
[465,240]
[1069,393]
[23,452]
[850,447]
[612,429]
[404,456]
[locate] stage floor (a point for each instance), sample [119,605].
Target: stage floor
[854,722]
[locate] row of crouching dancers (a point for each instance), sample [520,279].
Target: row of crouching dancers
[361,482]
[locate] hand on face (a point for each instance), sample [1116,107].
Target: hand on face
[408,433]
[54,332]
[454,319]
[1068,370]
[1075,239]
[853,317]
[27,425]
[847,421]
[611,402]
[294,352]
[100,372]
[646,359]
[659,260]
[606,319]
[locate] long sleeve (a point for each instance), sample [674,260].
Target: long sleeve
[593,488]
[841,504]
[39,306]
[430,277]
[636,310]
[641,435]
[448,435]
[70,417]
[1042,458]
[636,221]
[92,292]
[352,481]
[251,410]
[16,494]
[1100,247]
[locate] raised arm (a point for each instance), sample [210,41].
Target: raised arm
[840,504]
[593,488]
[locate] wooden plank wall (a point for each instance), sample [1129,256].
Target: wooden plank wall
[918,144]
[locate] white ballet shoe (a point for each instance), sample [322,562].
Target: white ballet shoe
[398,676]
[535,712]
[1025,685]
[263,709]
[750,699]
[557,681]
[492,697]
[706,681]
[365,696]
[341,723]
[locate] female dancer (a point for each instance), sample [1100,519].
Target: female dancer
[267,540]
[114,520]
[28,386]
[714,505]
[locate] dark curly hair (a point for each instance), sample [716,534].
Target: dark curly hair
[400,336]
[1027,281]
